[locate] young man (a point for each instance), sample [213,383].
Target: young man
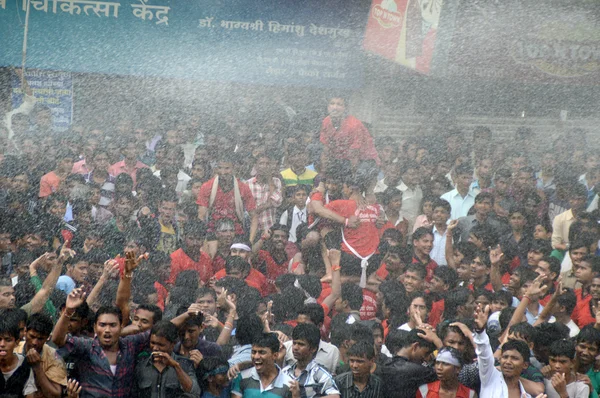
[350,302]
[190,256]
[480,272]
[48,368]
[267,192]
[587,346]
[273,260]
[448,364]
[298,173]
[344,136]
[77,271]
[589,266]
[503,383]
[297,213]
[18,378]
[414,277]
[168,240]
[503,199]
[517,242]
[562,380]
[561,306]
[412,194]
[440,217]
[192,341]
[225,196]
[577,251]
[361,358]
[484,203]
[404,373]
[53,181]
[422,240]
[311,377]
[264,379]
[130,164]
[165,373]
[563,221]
[461,198]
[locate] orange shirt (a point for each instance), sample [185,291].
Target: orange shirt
[49,184]
[365,238]
[254,279]
[180,261]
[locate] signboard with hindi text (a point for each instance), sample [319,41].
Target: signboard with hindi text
[307,42]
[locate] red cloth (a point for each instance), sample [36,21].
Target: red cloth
[437,310]
[582,315]
[218,263]
[382,272]
[162,294]
[49,184]
[254,279]
[365,238]
[401,227]
[432,390]
[368,310]
[430,266]
[273,269]
[323,222]
[182,262]
[224,204]
[352,135]
[120,167]
[488,286]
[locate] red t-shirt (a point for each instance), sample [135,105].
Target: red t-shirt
[161,293]
[224,204]
[382,272]
[323,222]
[365,238]
[255,279]
[352,135]
[368,310]
[581,314]
[49,184]
[437,310]
[273,269]
[430,266]
[182,262]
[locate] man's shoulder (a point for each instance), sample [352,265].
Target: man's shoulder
[449,195]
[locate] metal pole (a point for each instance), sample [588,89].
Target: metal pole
[25,39]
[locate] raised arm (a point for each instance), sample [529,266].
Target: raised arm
[496,257]
[253,224]
[39,300]
[485,356]
[124,289]
[110,267]
[74,300]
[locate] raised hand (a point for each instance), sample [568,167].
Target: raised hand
[65,252]
[481,316]
[465,330]
[559,383]
[111,267]
[536,289]
[131,262]
[452,225]
[496,255]
[75,299]
[194,310]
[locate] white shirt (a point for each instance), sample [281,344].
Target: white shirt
[575,389]
[492,380]
[299,217]
[438,252]
[460,205]
[327,356]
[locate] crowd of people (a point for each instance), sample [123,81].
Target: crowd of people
[259,256]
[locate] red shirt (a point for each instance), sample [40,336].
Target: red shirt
[432,390]
[182,262]
[323,222]
[431,265]
[369,307]
[161,293]
[120,167]
[254,279]
[224,204]
[49,184]
[437,310]
[365,238]
[352,135]
[273,269]
[582,315]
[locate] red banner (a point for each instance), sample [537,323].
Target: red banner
[404,31]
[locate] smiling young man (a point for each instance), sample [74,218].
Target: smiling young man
[270,256]
[311,377]
[265,379]
[563,381]
[422,241]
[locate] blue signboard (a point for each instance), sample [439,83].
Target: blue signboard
[52,89]
[307,42]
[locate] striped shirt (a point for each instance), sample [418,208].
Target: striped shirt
[247,384]
[96,377]
[345,383]
[291,179]
[314,380]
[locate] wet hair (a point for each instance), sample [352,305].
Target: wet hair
[426,297]
[353,294]
[486,234]
[286,305]
[110,310]
[524,330]
[549,332]
[249,328]
[421,232]
[517,208]
[267,340]
[204,290]
[464,169]
[361,349]
[568,300]
[542,246]
[589,334]
[398,339]
[308,332]
[311,284]
[154,309]
[285,281]
[520,346]
[236,263]
[562,348]
[314,312]
[388,194]
[16,315]
[208,365]
[505,316]
[167,330]
[483,196]
[8,327]
[441,203]
[361,332]
[448,275]
[454,299]
[40,323]
[504,296]
[419,268]
[194,227]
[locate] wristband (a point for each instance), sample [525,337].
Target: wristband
[479,331]
[67,315]
[128,276]
[335,268]
[526,297]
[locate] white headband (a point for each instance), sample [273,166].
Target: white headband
[446,357]
[241,246]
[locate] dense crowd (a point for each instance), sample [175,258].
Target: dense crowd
[256,254]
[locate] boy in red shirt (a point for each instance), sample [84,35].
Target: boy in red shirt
[273,259]
[358,244]
[190,256]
